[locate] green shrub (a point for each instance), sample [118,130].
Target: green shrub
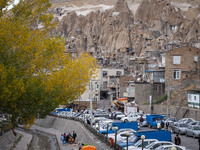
[160,99]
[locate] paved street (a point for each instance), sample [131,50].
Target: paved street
[58,126]
[189,142]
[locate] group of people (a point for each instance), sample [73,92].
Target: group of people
[68,138]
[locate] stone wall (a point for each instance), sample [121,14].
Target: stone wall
[81,105]
[188,68]
[143,91]
[178,112]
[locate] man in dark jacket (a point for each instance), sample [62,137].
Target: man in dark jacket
[141,121]
[74,136]
[177,140]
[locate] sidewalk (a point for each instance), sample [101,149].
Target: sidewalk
[57,126]
[24,141]
[57,133]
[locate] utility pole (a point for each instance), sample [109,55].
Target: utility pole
[117,86]
[150,101]
[168,99]
[91,102]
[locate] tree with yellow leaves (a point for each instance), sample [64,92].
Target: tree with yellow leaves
[36,75]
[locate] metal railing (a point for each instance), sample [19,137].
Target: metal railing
[102,137]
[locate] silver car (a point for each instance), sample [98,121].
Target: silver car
[154,145]
[179,128]
[185,120]
[193,131]
[169,147]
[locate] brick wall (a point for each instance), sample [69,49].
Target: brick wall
[143,91]
[188,68]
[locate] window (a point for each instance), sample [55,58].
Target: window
[176,59]
[195,98]
[105,73]
[104,85]
[119,73]
[195,58]
[155,88]
[176,74]
[190,97]
[97,85]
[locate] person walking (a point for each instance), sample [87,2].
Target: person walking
[177,140]
[74,135]
[141,121]
[167,125]
[162,125]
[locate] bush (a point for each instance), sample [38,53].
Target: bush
[160,99]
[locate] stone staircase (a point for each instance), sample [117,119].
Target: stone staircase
[7,140]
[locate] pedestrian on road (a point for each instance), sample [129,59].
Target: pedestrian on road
[74,135]
[167,125]
[177,140]
[62,138]
[162,125]
[88,121]
[67,138]
[141,121]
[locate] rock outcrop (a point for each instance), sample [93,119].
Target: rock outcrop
[107,33]
[98,31]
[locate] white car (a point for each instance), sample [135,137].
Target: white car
[154,145]
[102,125]
[168,147]
[133,117]
[119,115]
[138,144]
[132,139]
[120,133]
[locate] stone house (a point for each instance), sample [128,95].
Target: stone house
[181,64]
[193,98]
[127,87]
[109,82]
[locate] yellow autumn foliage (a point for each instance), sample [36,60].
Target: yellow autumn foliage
[36,75]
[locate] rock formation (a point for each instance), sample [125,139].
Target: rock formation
[107,33]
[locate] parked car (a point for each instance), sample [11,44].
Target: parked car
[119,115]
[132,117]
[138,144]
[179,128]
[120,134]
[193,123]
[131,140]
[168,147]
[185,120]
[154,145]
[193,131]
[170,120]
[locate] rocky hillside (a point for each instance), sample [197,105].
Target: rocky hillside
[120,29]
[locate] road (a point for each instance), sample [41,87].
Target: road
[189,142]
